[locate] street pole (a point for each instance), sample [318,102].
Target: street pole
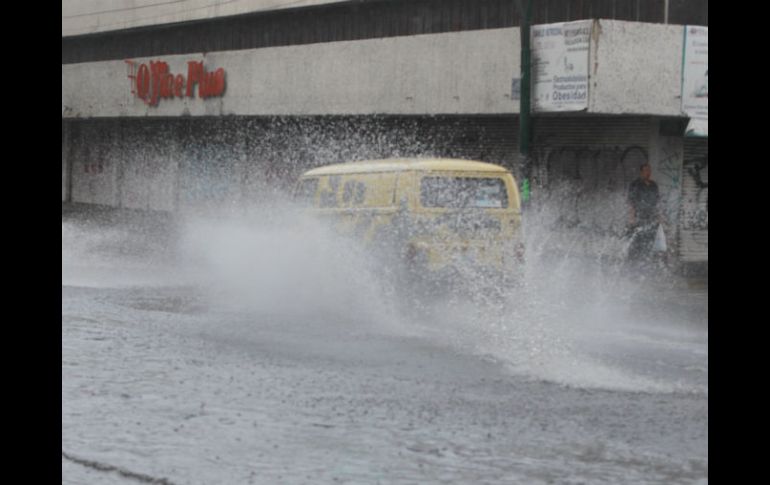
[525,128]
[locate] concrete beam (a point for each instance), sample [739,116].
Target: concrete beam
[635,68]
[455,73]
[79,17]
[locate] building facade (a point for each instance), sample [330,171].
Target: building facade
[170,107]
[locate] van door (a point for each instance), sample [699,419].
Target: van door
[366,204]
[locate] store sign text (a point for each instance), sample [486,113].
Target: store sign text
[153,82]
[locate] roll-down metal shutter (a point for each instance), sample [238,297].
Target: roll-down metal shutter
[491,139]
[693,235]
[582,167]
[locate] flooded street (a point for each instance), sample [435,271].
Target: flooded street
[393,242]
[252,350]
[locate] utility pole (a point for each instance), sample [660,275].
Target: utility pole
[525,127]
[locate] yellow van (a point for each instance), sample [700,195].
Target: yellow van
[442,219]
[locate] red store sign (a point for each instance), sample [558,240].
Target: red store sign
[154,82]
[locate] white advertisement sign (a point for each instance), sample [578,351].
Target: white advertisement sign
[560,66]
[695,80]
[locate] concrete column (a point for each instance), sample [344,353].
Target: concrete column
[666,159]
[66,163]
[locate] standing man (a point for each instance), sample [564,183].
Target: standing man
[643,200]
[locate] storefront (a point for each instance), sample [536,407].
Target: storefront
[183,132]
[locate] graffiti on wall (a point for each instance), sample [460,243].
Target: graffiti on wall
[610,169]
[583,190]
[586,186]
[695,222]
[667,167]
[696,207]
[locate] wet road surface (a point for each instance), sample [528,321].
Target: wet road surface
[172,376]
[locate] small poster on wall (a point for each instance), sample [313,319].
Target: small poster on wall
[695,80]
[560,66]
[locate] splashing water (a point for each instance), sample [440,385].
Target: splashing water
[573,321]
[578,323]
[570,322]
[283,263]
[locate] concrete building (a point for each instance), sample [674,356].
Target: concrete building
[181,105]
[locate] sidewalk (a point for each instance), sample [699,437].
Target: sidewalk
[686,294]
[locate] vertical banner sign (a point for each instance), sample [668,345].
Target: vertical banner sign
[695,80]
[560,66]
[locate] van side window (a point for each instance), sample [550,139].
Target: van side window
[328,199]
[353,193]
[329,196]
[347,191]
[375,190]
[306,190]
[360,193]
[463,192]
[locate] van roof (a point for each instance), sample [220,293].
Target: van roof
[403,164]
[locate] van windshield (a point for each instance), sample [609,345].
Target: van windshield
[463,192]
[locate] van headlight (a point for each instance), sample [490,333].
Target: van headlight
[415,255]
